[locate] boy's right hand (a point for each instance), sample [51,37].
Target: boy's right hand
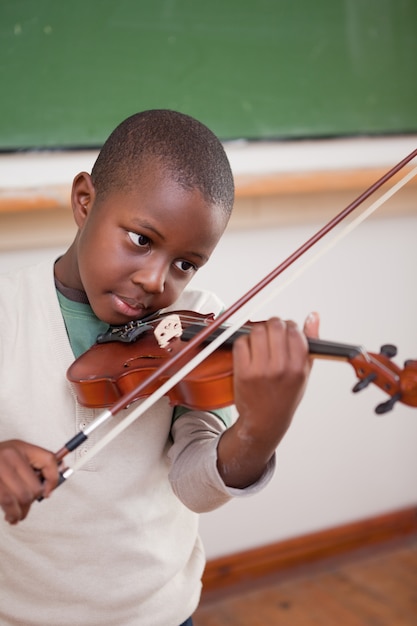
[27,473]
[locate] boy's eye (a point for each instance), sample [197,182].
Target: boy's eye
[139,240]
[186,266]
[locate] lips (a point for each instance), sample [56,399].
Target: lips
[129,307]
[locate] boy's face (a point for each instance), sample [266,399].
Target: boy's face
[136,250]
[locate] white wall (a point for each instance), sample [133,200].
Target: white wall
[340,461]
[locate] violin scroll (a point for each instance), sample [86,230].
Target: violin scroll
[378,369]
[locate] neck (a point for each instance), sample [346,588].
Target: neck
[66,269]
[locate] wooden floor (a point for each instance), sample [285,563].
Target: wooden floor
[377,587]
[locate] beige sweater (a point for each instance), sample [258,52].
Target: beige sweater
[117,544]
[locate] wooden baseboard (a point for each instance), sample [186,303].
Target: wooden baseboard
[260,562]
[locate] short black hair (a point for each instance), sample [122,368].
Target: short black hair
[190,151]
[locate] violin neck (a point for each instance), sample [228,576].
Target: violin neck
[318,348]
[321,348]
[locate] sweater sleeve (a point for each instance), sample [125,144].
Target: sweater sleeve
[193,475]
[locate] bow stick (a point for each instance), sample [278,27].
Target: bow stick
[191,346]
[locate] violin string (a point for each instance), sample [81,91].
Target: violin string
[228,331]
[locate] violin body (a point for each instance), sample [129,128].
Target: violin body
[108,371]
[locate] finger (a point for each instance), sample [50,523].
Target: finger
[10,505]
[49,471]
[18,489]
[268,347]
[278,344]
[297,347]
[311,325]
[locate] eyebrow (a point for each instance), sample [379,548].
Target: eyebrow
[144,224]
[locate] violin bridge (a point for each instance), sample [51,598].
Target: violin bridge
[168,328]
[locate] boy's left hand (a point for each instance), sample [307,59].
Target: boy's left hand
[271,369]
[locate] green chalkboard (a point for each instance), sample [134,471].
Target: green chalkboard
[70,70]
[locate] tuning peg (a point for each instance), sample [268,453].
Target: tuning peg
[384,407]
[388,350]
[364,382]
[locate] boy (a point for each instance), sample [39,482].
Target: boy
[118,544]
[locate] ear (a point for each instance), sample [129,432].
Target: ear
[82,197]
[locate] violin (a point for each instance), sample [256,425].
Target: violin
[125,356]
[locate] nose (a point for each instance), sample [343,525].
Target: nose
[151,276]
